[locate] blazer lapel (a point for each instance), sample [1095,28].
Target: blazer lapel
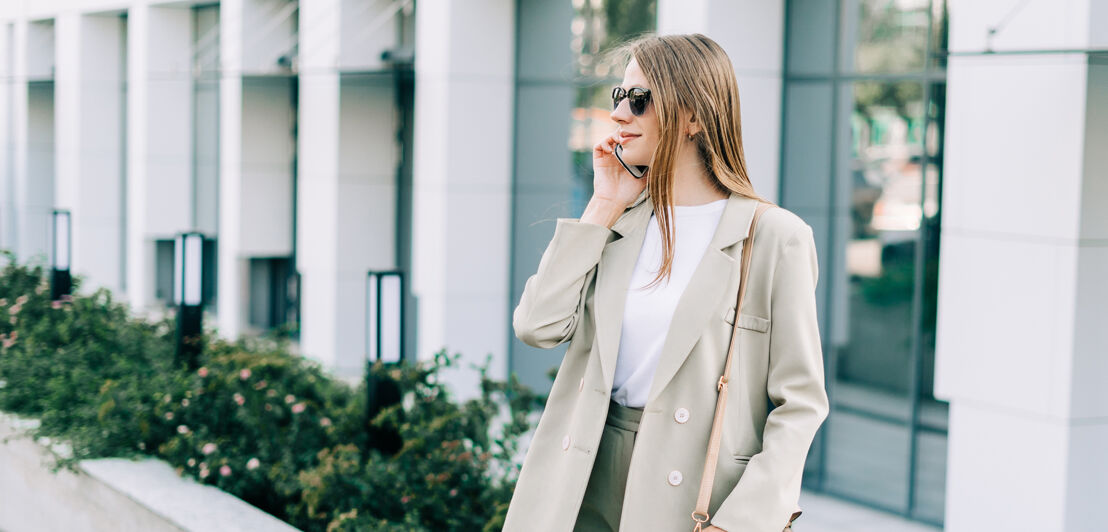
[697,303]
[705,291]
[613,277]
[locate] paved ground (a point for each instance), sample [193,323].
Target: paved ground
[823,513]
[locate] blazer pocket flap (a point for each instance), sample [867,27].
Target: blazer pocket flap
[747,321]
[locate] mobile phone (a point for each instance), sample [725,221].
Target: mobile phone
[637,171]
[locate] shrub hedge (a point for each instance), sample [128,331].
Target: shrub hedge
[256,421]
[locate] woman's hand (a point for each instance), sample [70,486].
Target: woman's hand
[611,181]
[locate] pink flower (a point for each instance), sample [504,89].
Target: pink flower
[203,470]
[225,470]
[268,407]
[271,393]
[192,462]
[405,499]
[325,422]
[244,373]
[21,299]
[203,372]
[239,399]
[3,301]
[182,429]
[260,384]
[209,448]
[298,408]
[184,402]
[169,416]
[453,492]
[253,464]
[55,305]
[290,399]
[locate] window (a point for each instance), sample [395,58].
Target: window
[862,164]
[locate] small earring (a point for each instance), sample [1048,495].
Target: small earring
[690,136]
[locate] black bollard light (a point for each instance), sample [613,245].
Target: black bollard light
[188,295]
[384,344]
[61,284]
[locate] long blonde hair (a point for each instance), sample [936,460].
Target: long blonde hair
[692,73]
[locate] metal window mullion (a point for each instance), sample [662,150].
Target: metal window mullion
[831,361]
[915,354]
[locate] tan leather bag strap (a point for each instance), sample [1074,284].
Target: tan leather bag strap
[700,514]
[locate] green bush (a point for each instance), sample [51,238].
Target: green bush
[256,421]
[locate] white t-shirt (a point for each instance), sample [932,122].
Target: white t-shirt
[647,313]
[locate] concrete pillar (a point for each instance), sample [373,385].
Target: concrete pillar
[462,180]
[752,32]
[1023,293]
[32,105]
[7,137]
[347,197]
[89,156]
[233,268]
[256,150]
[317,186]
[159,151]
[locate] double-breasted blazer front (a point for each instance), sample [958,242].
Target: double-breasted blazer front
[578,295]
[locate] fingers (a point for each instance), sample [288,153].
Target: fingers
[612,140]
[604,146]
[607,144]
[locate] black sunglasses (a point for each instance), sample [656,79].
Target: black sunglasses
[637,97]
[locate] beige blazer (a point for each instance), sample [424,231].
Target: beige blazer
[578,294]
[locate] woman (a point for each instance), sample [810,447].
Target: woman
[648,311]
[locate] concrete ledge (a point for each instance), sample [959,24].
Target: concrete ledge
[109,494]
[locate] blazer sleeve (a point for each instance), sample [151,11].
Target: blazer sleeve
[766,496]
[551,304]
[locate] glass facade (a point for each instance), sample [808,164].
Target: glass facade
[562,107]
[862,164]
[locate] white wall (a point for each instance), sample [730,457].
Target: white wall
[35,187]
[233,268]
[1024,227]
[256,148]
[219,158]
[159,113]
[462,180]
[89,151]
[109,493]
[265,202]
[33,138]
[268,33]
[347,189]
[366,28]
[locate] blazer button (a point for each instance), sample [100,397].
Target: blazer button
[681,415]
[565,442]
[674,477]
[581,385]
